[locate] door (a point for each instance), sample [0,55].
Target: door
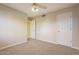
[64,29]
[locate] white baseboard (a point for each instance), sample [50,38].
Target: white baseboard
[17,43]
[76,48]
[60,44]
[49,42]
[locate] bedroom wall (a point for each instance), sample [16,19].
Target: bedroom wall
[46,28]
[13,27]
[76,27]
[50,23]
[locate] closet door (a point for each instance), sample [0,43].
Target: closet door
[64,29]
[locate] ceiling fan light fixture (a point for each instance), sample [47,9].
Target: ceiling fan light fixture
[34,9]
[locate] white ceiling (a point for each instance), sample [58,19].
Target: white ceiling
[26,7]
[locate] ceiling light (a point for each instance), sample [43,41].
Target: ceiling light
[34,9]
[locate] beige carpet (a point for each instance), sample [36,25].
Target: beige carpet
[36,47]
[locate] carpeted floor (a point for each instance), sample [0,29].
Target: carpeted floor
[36,47]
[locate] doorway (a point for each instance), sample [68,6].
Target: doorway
[31,29]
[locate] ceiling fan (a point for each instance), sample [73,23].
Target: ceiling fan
[36,7]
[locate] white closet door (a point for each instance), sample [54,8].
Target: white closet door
[64,29]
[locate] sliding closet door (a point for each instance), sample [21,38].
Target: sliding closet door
[64,29]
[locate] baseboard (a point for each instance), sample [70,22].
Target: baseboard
[49,41]
[76,48]
[60,44]
[12,45]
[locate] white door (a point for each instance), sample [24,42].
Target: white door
[64,29]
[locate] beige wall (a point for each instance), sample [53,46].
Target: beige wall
[50,22]
[76,27]
[12,27]
[46,28]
